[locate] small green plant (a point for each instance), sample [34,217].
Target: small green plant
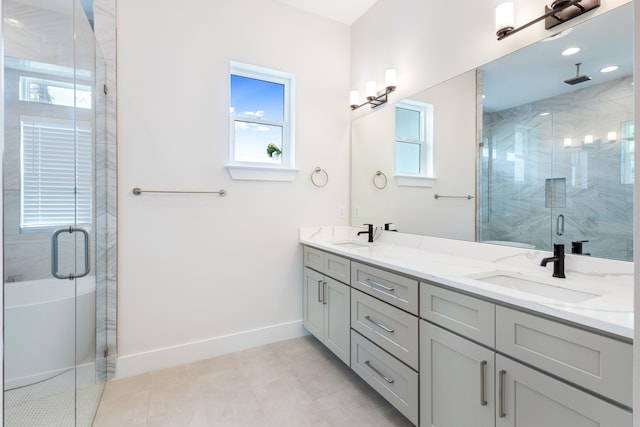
[273,151]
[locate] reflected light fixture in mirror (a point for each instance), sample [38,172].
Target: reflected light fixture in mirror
[375,98]
[556,13]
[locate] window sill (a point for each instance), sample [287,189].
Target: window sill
[415,181]
[260,173]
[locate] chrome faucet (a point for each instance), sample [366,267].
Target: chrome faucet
[369,232]
[557,259]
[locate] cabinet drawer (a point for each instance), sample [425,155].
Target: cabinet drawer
[395,381]
[393,288]
[337,267]
[332,265]
[590,360]
[391,328]
[468,316]
[313,258]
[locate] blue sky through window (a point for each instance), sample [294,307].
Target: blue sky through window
[257,98]
[252,102]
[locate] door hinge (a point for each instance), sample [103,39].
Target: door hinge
[106,352]
[105,89]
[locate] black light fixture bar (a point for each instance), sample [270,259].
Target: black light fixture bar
[376,101]
[562,12]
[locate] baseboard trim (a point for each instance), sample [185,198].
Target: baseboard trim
[139,363]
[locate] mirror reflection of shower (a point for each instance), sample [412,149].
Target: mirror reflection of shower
[547,171]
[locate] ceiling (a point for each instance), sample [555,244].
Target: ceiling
[344,11]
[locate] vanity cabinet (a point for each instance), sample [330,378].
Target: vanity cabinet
[384,336]
[526,397]
[326,301]
[469,375]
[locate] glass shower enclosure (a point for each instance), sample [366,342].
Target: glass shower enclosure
[54,213]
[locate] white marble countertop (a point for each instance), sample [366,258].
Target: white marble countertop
[453,263]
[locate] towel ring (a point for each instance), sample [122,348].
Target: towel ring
[375,184]
[319,170]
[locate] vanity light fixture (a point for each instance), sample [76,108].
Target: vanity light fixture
[568,142]
[556,13]
[375,98]
[588,139]
[612,136]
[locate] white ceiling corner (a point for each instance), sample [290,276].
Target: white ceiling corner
[344,11]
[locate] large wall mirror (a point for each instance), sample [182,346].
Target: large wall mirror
[527,150]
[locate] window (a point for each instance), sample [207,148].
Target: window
[628,148]
[55,173]
[261,124]
[414,143]
[54,92]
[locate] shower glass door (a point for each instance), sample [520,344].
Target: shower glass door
[54,215]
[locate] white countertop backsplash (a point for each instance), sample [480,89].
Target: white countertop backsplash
[449,262]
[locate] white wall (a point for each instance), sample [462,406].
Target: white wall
[204,275]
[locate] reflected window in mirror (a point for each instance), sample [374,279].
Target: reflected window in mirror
[414,138]
[628,148]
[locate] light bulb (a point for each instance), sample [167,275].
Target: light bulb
[354,97]
[391,78]
[371,89]
[504,18]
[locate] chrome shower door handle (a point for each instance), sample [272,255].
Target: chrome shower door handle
[560,225]
[54,253]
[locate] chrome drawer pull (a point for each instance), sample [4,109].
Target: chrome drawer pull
[483,383]
[380,325]
[501,411]
[320,290]
[372,283]
[380,374]
[324,292]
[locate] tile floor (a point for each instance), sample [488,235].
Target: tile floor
[294,383]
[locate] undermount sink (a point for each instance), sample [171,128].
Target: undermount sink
[351,245]
[535,287]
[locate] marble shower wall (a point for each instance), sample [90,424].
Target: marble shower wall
[104,12]
[527,145]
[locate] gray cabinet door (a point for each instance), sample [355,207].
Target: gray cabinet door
[337,317]
[312,306]
[456,380]
[528,398]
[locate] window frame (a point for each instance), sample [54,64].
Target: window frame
[285,170]
[426,176]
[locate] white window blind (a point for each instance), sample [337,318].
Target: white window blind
[55,173]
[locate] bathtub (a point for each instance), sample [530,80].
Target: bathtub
[41,338]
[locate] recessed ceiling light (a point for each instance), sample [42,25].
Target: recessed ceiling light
[609,69]
[570,51]
[545,113]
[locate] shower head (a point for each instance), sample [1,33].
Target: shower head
[578,78]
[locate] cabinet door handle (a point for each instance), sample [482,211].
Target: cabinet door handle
[380,374]
[380,325]
[319,290]
[501,411]
[483,383]
[372,283]
[324,292]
